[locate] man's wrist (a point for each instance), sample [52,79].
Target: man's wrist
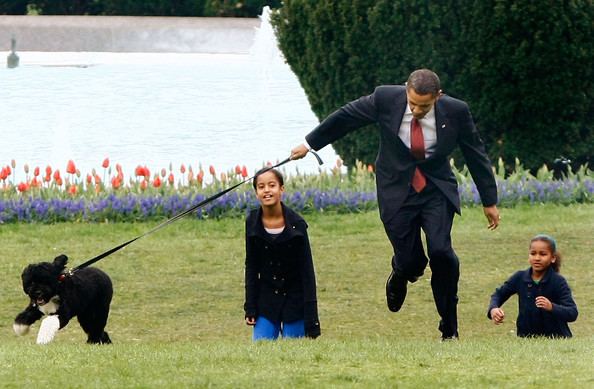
[307,146]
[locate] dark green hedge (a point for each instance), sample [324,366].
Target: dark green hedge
[231,8]
[524,66]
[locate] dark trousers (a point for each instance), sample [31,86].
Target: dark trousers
[431,212]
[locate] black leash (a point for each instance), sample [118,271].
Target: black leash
[176,217]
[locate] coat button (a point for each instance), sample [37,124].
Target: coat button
[274,277]
[276,291]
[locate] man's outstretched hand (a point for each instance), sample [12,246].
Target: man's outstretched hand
[299,152]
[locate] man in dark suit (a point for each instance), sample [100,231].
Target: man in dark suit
[416,188]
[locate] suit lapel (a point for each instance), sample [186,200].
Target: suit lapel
[399,107]
[442,128]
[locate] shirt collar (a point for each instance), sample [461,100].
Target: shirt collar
[430,116]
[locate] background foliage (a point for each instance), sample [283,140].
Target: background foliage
[524,66]
[232,8]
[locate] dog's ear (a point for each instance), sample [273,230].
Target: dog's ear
[60,261]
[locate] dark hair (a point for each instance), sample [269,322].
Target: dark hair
[424,81]
[552,246]
[278,175]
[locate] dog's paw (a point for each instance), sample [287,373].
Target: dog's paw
[20,329]
[48,329]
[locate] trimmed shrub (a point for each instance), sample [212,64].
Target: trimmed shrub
[524,66]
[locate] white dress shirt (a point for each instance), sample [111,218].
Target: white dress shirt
[429,130]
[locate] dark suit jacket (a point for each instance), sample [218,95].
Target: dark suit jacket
[280,281]
[395,164]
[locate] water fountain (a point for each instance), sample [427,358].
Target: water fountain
[156,109]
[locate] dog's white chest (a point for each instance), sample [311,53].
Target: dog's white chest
[51,307]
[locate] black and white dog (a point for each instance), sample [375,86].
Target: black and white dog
[85,294]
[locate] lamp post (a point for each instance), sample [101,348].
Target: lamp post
[13,60]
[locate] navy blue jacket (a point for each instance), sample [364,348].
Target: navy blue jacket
[280,281]
[534,321]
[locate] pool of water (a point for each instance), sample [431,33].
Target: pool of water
[152,109]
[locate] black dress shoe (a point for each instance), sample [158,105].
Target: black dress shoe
[395,292]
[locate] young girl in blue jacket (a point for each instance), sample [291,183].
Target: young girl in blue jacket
[544,297]
[280,284]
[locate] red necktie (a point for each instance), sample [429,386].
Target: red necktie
[417,148]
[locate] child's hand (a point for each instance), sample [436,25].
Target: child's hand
[544,303]
[250,321]
[497,315]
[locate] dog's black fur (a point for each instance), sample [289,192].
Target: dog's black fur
[85,294]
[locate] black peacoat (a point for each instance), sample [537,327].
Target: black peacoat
[534,321]
[280,280]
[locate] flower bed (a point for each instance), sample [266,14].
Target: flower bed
[50,197]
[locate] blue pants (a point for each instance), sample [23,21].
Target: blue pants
[268,330]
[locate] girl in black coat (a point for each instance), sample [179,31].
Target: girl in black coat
[544,297]
[280,285]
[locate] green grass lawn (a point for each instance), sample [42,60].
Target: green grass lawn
[177,316]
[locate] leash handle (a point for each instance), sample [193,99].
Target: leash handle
[320,162]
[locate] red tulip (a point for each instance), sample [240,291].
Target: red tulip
[35,183]
[157,182]
[48,170]
[72,189]
[8,170]
[143,184]
[89,179]
[171,179]
[139,171]
[190,174]
[116,182]
[118,168]
[147,173]
[200,176]
[244,172]
[59,181]
[370,168]
[211,169]
[237,169]
[97,179]
[57,175]
[36,171]
[3,174]
[70,167]
[105,163]
[182,169]
[23,187]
